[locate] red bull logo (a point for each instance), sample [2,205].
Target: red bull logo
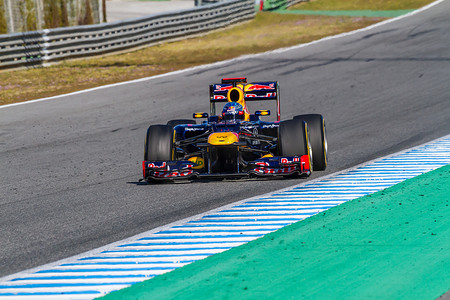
[156,165]
[231,109]
[258,87]
[221,88]
[285,160]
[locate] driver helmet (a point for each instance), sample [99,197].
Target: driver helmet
[233,112]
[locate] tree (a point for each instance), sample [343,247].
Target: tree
[88,19]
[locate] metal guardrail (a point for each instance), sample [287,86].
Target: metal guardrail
[275,4]
[262,4]
[39,48]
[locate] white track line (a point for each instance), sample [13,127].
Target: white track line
[164,249]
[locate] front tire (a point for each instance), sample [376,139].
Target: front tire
[293,138]
[159,143]
[318,138]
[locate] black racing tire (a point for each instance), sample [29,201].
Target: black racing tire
[318,139]
[159,143]
[176,122]
[293,138]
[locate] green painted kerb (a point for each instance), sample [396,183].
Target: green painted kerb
[349,13]
[394,244]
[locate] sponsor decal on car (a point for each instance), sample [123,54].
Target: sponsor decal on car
[258,87]
[270,126]
[194,129]
[156,165]
[267,95]
[284,160]
[200,162]
[220,88]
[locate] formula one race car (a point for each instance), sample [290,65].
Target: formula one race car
[236,143]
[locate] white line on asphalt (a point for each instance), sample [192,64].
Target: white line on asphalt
[163,249]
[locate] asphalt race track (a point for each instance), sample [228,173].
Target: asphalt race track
[70,166]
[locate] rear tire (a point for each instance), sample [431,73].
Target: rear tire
[318,139]
[159,143]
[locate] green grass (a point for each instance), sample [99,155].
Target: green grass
[267,31]
[393,244]
[361,4]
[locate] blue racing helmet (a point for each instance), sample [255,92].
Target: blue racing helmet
[233,112]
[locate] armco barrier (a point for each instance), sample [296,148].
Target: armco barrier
[260,4]
[38,48]
[275,4]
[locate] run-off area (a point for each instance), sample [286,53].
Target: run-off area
[111,268]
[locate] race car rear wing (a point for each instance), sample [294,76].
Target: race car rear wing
[255,91]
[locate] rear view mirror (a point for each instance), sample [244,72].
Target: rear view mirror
[199,115]
[265,112]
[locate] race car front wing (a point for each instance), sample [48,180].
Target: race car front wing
[267,166]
